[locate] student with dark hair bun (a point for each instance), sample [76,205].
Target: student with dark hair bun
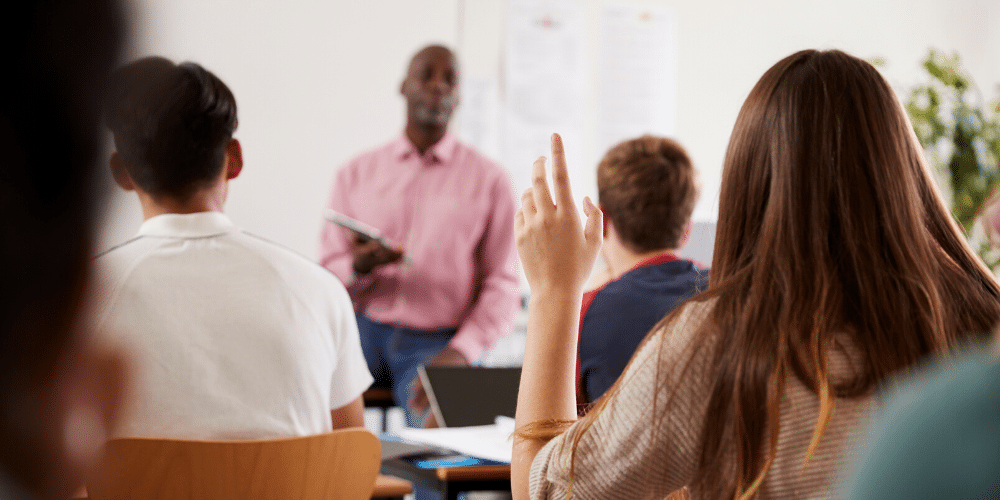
[836,265]
[647,188]
[234,337]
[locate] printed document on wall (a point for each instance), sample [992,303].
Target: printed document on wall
[637,82]
[545,74]
[479,115]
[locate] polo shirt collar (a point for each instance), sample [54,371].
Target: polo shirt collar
[441,152]
[196,225]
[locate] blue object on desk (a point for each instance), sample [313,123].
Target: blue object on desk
[452,461]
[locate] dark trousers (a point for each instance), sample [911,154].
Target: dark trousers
[393,354]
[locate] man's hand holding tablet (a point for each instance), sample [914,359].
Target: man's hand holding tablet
[369,247]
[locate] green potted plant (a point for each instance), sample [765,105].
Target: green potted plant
[961,135]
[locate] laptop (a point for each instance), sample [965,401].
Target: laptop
[461,396]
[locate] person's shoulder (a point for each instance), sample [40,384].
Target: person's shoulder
[117,262]
[676,277]
[370,157]
[294,268]
[490,175]
[123,249]
[682,344]
[687,320]
[697,272]
[629,292]
[618,290]
[477,159]
[698,310]
[380,149]
[112,270]
[275,252]
[698,266]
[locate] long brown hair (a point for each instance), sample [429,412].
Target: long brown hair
[829,223]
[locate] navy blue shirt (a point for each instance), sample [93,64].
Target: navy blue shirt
[622,312]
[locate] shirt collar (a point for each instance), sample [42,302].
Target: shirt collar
[441,152]
[196,225]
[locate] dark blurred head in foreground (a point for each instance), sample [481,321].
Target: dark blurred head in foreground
[54,400]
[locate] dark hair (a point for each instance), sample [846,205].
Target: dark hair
[171,125]
[50,136]
[50,133]
[648,188]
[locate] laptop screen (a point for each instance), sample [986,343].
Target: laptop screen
[462,395]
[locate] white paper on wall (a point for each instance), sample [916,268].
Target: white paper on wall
[545,73]
[637,77]
[479,113]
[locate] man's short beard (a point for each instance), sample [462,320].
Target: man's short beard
[425,116]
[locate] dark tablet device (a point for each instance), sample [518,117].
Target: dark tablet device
[461,396]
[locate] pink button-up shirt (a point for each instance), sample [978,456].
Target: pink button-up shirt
[452,210]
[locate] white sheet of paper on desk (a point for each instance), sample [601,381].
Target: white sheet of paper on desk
[483,441]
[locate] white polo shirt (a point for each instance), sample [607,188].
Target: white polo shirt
[232,336]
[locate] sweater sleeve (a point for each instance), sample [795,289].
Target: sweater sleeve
[622,455]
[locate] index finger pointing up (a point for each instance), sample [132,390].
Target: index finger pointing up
[560,174]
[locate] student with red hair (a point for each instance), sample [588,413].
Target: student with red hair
[647,188]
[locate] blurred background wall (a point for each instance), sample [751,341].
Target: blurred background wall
[317,81]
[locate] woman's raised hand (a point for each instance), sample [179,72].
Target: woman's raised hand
[557,252]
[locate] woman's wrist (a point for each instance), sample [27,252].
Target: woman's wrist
[554,294]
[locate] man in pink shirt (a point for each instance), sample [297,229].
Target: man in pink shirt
[446,288]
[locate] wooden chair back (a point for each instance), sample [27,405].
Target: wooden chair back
[342,465]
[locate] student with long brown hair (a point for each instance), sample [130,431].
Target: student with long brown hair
[835,265]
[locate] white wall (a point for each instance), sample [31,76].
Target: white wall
[317,81]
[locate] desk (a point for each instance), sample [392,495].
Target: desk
[390,488]
[386,488]
[451,481]
[381,399]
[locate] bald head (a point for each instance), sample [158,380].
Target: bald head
[431,87]
[431,51]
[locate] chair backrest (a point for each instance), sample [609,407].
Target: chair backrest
[342,465]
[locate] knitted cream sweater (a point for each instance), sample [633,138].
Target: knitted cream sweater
[623,455]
